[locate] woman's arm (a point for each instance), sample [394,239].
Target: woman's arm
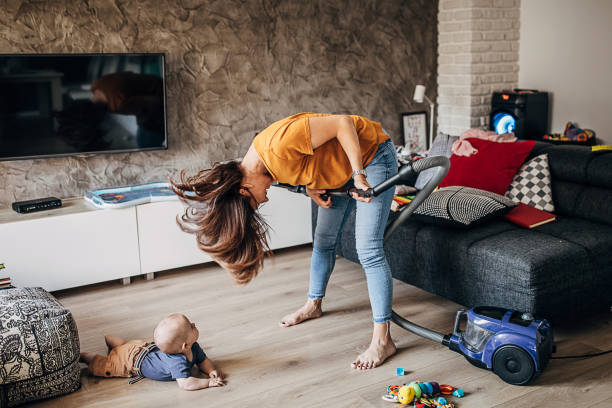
[325,128]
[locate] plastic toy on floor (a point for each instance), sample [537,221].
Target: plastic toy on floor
[423,394]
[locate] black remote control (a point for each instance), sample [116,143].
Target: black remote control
[48,203]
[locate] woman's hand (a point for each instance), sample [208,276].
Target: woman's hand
[315,194]
[361,184]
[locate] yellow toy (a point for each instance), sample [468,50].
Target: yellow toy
[405,395]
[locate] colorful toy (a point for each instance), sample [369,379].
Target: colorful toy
[432,402]
[572,133]
[417,390]
[422,394]
[399,371]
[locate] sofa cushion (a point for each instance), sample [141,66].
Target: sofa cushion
[547,271]
[39,344]
[582,201]
[491,168]
[544,258]
[560,266]
[578,164]
[461,207]
[532,185]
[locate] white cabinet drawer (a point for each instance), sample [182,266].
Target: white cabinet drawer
[70,250]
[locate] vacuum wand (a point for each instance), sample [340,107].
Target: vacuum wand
[403,175]
[442,165]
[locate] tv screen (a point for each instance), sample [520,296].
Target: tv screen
[70,104]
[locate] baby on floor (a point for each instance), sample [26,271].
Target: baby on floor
[172,355]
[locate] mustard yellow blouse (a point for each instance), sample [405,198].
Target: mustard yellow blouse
[285,148]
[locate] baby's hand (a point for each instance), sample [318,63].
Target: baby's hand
[216,374]
[215,382]
[195,383]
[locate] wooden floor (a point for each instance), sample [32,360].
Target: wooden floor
[309,365]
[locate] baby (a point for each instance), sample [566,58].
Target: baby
[172,355]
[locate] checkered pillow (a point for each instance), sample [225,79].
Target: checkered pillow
[462,207]
[531,184]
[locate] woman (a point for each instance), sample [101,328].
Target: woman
[321,152]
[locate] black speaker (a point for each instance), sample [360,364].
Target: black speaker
[522,111]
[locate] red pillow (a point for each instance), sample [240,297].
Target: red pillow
[491,169]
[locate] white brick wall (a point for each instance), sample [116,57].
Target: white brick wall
[477,54]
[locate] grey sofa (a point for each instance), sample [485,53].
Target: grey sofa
[559,270]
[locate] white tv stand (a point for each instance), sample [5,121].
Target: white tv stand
[78,244]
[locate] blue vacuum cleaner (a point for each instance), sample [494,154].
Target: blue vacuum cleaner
[514,345]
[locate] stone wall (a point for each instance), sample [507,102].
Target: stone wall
[232,68]
[478,54]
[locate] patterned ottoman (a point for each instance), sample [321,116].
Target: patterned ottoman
[39,347]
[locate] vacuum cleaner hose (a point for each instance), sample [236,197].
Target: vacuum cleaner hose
[442,165]
[418,330]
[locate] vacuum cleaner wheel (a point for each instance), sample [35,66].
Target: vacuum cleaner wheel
[513,365]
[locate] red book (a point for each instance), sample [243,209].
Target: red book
[529,217]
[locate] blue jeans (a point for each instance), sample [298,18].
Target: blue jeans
[370,222]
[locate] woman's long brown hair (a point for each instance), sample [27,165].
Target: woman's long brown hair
[222,219]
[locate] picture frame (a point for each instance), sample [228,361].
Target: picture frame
[414,130]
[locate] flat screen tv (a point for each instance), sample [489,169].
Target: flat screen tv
[80,104]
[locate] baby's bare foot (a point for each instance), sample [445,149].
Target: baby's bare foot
[108,341]
[86,358]
[374,356]
[310,310]
[112,341]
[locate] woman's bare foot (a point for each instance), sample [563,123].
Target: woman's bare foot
[310,310]
[381,348]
